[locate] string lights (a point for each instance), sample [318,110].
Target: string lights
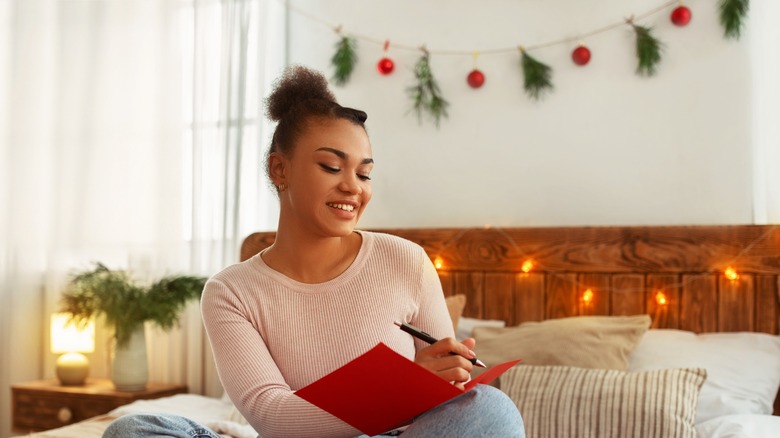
[588,294]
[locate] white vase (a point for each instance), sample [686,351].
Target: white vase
[130,369]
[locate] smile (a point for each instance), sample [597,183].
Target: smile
[345,207]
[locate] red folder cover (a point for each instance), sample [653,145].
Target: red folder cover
[381,389]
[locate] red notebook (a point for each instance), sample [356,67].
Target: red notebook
[381,390]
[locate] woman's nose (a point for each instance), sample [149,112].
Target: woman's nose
[350,185]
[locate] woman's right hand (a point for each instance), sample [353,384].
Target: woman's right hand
[448,359]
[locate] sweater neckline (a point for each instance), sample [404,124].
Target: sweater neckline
[355,267]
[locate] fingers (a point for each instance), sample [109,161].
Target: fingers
[470,343]
[448,359]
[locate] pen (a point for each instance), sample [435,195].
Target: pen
[419,334]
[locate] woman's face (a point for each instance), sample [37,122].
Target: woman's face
[327,178]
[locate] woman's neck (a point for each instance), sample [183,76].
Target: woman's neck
[312,260]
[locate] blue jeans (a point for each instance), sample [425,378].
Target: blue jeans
[482,412]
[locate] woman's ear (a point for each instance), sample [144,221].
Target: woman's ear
[277,168]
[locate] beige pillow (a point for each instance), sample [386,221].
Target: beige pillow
[580,341]
[559,401]
[455,305]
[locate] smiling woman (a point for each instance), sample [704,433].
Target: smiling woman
[324,293]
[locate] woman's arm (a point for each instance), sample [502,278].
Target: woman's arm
[250,376]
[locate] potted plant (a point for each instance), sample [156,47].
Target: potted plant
[126,305]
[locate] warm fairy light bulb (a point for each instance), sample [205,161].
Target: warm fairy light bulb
[660,298]
[438,263]
[527,266]
[731,273]
[587,296]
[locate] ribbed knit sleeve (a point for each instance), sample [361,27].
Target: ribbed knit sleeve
[272,335]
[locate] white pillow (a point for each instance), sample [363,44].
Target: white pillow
[743,369]
[466,326]
[740,426]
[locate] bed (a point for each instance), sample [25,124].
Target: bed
[623,331]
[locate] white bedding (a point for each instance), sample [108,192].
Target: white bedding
[218,414]
[735,400]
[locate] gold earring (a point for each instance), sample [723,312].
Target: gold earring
[282,187]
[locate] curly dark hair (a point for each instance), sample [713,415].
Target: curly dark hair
[299,96]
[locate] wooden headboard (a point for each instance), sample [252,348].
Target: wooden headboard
[624,268]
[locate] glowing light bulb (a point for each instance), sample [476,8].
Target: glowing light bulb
[587,296]
[438,262]
[527,266]
[661,299]
[731,273]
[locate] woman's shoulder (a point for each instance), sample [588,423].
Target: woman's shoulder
[386,242]
[237,272]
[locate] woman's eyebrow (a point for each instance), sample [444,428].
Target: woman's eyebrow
[343,155]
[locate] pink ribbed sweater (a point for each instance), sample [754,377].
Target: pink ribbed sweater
[272,335]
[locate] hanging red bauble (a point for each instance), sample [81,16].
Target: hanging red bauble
[681,16]
[385,66]
[476,78]
[580,55]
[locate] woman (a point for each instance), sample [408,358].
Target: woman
[325,293]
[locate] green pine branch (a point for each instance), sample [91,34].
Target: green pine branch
[648,50]
[425,94]
[536,75]
[344,59]
[732,16]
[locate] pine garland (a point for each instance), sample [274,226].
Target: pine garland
[648,50]
[344,59]
[425,94]
[537,76]
[732,15]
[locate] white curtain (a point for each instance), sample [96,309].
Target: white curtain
[233,50]
[131,133]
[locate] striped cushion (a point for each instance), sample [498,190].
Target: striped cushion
[560,401]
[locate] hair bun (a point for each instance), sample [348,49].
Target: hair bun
[296,85]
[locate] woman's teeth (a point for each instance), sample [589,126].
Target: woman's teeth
[345,207]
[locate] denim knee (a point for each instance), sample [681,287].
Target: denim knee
[484,411]
[156,425]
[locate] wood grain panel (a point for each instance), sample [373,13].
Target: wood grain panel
[499,297]
[529,297]
[447,283]
[736,303]
[664,315]
[599,285]
[698,311]
[471,285]
[628,294]
[562,297]
[677,249]
[767,314]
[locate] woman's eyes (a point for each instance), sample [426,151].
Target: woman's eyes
[329,169]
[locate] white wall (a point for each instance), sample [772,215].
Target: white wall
[607,147]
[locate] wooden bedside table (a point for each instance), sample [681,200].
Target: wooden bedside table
[45,404]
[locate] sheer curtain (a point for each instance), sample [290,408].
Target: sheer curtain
[131,133]
[233,50]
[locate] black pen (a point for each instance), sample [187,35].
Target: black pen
[419,334]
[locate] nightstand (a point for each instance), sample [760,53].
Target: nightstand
[46,404]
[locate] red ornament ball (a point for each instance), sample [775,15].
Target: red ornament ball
[580,55]
[385,66]
[476,78]
[681,16]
